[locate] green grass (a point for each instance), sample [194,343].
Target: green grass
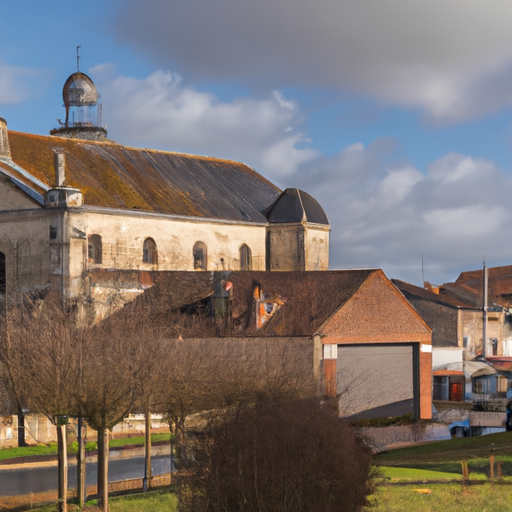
[446,456]
[414,475]
[27,451]
[453,450]
[163,500]
[442,498]
[51,448]
[125,441]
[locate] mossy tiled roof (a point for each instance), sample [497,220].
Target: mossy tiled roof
[114,176]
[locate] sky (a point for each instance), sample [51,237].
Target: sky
[394,114]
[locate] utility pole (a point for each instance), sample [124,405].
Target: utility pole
[484,330]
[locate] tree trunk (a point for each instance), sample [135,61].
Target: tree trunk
[170,450]
[147,460]
[81,490]
[103,469]
[63,468]
[21,428]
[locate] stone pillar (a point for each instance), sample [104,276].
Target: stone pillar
[60,171]
[5,151]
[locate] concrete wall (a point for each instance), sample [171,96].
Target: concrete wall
[25,241]
[471,326]
[34,260]
[442,356]
[317,247]
[123,238]
[12,198]
[285,245]
[297,247]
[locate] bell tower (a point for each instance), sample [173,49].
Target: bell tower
[83,108]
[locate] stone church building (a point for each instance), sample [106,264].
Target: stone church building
[73,202]
[90,218]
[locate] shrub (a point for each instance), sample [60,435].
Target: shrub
[283,457]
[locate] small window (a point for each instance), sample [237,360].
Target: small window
[245,258]
[149,252]
[53,232]
[200,256]
[95,249]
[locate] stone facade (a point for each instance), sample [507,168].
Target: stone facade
[71,206]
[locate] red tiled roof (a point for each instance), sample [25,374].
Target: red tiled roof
[446,300]
[470,285]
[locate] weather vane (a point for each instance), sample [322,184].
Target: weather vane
[78,59]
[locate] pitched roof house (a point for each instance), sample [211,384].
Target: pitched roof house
[363,343]
[456,320]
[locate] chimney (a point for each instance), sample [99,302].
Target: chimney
[60,169]
[4,139]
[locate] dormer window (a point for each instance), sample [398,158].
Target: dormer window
[245,258]
[94,249]
[149,251]
[200,256]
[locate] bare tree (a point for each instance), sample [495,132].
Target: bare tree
[210,375]
[40,354]
[111,373]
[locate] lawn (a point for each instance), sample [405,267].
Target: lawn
[446,456]
[442,498]
[51,448]
[395,474]
[163,500]
[392,498]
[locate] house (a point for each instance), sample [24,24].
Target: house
[469,286]
[351,330]
[456,320]
[73,201]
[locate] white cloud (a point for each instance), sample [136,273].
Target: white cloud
[18,83]
[451,59]
[470,221]
[160,111]
[388,215]
[383,212]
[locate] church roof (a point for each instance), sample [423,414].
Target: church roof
[295,205]
[114,176]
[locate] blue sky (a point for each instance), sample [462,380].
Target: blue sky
[395,115]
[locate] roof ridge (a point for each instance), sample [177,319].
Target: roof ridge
[304,216]
[109,142]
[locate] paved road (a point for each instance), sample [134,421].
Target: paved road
[24,481]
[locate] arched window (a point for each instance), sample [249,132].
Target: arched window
[149,252]
[245,258]
[95,249]
[200,256]
[2,274]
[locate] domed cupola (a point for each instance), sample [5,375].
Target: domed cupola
[83,109]
[297,233]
